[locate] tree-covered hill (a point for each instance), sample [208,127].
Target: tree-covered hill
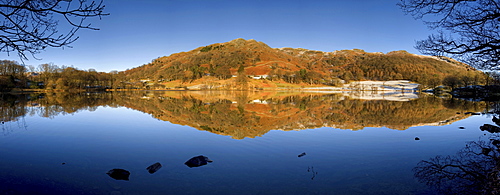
[248,64]
[247,59]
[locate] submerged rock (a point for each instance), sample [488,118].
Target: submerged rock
[490,128]
[197,161]
[119,174]
[154,167]
[486,151]
[496,120]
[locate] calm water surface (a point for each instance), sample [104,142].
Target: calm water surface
[65,144]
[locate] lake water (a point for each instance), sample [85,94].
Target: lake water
[260,143]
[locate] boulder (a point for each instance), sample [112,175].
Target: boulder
[154,167]
[197,161]
[119,174]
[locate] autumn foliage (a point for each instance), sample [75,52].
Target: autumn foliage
[240,116]
[247,64]
[252,59]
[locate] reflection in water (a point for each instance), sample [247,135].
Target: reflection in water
[197,161]
[119,174]
[311,170]
[9,127]
[490,128]
[244,114]
[475,169]
[496,120]
[12,112]
[351,162]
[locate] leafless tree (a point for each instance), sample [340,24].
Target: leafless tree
[30,26]
[466,29]
[475,169]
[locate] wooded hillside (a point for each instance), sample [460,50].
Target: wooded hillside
[247,64]
[247,59]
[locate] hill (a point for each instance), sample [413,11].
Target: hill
[240,61]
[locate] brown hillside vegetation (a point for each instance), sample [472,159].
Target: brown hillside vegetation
[239,115]
[247,114]
[248,65]
[247,59]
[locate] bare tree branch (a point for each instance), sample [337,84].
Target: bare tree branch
[468,30]
[473,170]
[30,26]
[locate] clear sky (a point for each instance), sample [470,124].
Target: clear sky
[138,31]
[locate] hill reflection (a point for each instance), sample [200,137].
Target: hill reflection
[248,114]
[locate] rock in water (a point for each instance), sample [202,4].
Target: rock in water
[197,161]
[154,167]
[301,155]
[496,120]
[119,174]
[490,128]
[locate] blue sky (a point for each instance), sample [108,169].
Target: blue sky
[137,32]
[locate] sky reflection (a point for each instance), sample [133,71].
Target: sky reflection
[73,153]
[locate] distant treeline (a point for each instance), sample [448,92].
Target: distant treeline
[242,60]
[50,76]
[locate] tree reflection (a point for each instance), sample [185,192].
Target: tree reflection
[250,117]
[245,114]
[12,107]
[475,169]
[12,112]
